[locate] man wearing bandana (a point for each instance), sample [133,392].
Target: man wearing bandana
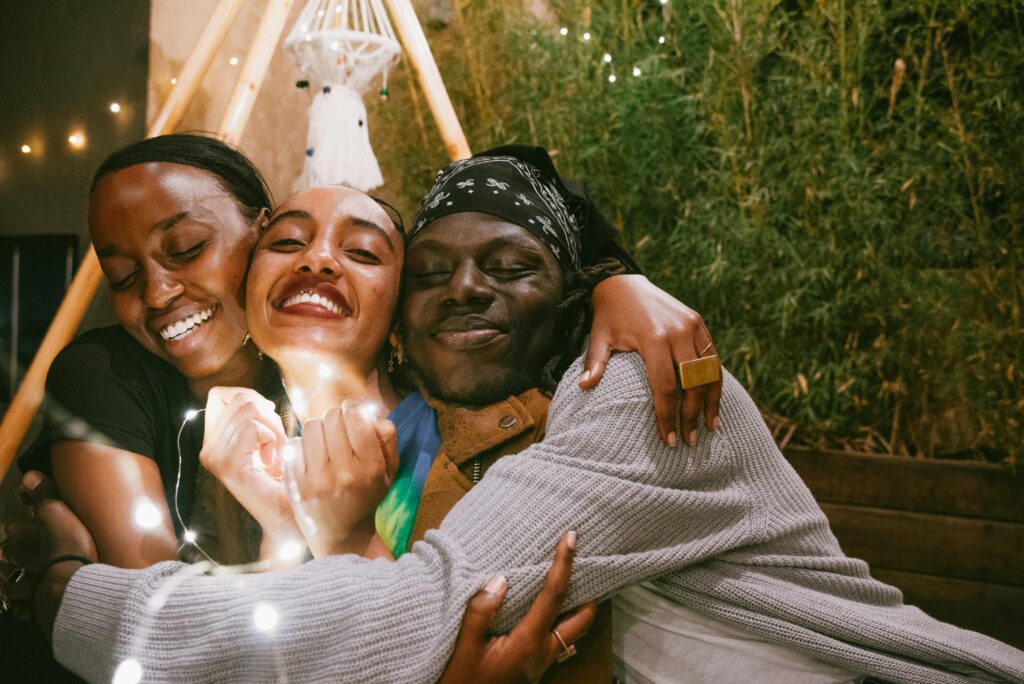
[730,568]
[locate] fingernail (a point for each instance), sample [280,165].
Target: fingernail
[585,376]
[673,440]
[693,438]
[570,540]
[716,424]
[495,585]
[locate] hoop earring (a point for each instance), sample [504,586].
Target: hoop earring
[396,358]
[247,340]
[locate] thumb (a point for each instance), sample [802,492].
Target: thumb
[598,351]
[481,609]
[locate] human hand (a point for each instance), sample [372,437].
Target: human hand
[242,443]
[48,544]
[342,471]
[632,314]
[525,653]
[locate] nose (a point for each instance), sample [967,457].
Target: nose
[319,257]
[468,285]
[161,287]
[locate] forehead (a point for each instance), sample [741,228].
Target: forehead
[127,204]
[337,205]
[477,232]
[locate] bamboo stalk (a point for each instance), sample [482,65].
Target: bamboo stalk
[247,88]
[72,309]
[411,34]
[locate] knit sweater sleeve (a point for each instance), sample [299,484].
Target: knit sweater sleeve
[640,509]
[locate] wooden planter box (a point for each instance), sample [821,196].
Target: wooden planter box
[949,534]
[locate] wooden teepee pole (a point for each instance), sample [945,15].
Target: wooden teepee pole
[69,315]
[411,34]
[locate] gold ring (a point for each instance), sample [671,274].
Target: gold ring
[705,350]
[702,371]
[568,650]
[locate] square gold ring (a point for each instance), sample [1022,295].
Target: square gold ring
[699,372]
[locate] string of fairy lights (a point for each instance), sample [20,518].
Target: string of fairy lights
[77,137]
[606,58]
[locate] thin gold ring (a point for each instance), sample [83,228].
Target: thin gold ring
[568,650]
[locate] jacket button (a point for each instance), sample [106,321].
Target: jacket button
[507,422]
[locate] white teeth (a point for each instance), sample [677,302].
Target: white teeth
[307,297]
[186,325]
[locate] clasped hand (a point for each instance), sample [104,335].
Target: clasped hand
[329,487]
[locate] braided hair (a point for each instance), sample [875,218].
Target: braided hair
[574,317]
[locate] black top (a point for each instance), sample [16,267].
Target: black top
[105,388]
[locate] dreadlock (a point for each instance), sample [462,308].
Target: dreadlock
[574,318]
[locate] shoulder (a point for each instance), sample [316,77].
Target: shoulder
[103,357]
[625,380]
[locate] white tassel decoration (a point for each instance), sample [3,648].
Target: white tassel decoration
[343,46]
[338,143]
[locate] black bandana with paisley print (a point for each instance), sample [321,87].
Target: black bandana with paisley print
[513,190]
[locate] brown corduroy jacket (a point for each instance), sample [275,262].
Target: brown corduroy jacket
[471,435]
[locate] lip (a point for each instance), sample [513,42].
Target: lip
[181,325]
[468,332]
[312,297]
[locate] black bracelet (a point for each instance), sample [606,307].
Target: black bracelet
[60,559]
[42,573]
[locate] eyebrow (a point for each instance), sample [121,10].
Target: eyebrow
[508,241]
[355,220]
[163,225]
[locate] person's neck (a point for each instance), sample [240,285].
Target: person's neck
[242,370]
[314,388]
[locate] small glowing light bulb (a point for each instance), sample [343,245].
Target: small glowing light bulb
[128,672]
[664,2]
[324,371]
[564,31]
[290,550]
[636,71]
[190,414]
[612,79]
[77,140]
[191,536]
[335,45]
[174,81]
[586,36]
[661,40]
[607,58]
[26,149]
[115,107]
[147,516]
[265,616]
[233,61]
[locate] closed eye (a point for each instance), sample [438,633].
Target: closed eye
[286,244]
[190,253]
[363,256]
[124,283]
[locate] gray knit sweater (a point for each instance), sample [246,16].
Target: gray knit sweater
[726,527]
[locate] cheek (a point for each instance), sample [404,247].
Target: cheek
[127,308]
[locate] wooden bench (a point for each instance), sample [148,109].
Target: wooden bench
[949,534]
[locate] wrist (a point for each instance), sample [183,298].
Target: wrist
[49,592]
[357,541]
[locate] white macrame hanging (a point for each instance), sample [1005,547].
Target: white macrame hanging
[342,46]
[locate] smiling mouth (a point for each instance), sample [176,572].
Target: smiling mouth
[184,327]
[313,299]
[467,339]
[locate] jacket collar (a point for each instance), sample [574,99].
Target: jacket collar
[468,431]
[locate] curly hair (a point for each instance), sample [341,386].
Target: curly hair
[575,315]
